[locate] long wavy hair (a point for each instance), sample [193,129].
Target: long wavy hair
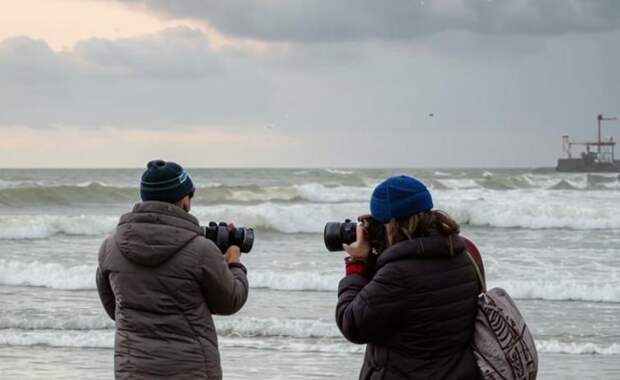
[420,225]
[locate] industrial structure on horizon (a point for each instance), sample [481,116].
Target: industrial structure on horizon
[598,156]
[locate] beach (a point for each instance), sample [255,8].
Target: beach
[552,240]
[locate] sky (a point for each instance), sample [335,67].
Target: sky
[304,83]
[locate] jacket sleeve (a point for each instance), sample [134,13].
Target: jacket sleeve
[103,286]
[368,310]
[224,286]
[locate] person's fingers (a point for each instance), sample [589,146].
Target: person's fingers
[360,231]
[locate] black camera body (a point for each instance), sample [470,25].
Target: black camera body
[224,236]
[336,234]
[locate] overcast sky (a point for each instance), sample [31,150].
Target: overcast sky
[105,83]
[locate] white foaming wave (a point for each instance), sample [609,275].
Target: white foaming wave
[339,171]
[105,339]
[577,348]
[338,346]
[52,322]
[459,184]
[274,327]
[58,338]
[226,326]
[285,218]
[49,275]
[532,208]
[561,290]
[82,277]
[294,280]
[312,192]
[4,184]
[99,184]
[612,185]
[20,227]
[316,192]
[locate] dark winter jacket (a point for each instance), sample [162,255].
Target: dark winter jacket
[161,280]
[416,313]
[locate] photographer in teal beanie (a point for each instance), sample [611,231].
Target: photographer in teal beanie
[414,307]
[165,182]
[161,280]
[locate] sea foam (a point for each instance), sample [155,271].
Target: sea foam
[81,277]
[18,227]
[105,339]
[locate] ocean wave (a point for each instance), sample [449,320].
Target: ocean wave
[284,218]
[81,277]
[15,194]
[529,210]
[88,192]
[48,275]
[533,209]
[560,290]
[275,327]
[105,339]
[20,227]
[55,322]
[312,281]
[575,348]
[7,184]
[99,193]
[339,171]
[226,326]
[56,338]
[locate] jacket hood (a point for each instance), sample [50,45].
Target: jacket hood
[434,246]
[155,231]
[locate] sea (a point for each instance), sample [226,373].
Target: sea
[552,240]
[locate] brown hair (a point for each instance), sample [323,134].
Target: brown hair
[418,225]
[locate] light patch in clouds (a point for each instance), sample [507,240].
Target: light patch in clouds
[354,20]
[63,23]
[70,147]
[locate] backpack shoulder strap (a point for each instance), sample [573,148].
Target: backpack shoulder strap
[483,285]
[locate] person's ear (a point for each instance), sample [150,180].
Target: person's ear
[187,203]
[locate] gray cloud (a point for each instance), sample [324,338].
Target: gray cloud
[363,103]
[346,20]
[170,78]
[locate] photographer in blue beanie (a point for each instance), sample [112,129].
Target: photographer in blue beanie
[414,302]
[161,280]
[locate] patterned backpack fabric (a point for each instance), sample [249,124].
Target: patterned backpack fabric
[503,345]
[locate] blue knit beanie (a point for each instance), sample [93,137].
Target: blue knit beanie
[398,197]
[164,181]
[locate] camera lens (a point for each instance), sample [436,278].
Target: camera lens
[224,237]
[243,238]
[336,234]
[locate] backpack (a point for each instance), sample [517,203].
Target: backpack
[503,345]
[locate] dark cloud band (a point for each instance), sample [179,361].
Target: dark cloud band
[348,20]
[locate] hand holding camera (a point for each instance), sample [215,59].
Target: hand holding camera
[360,248]
[233,254]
